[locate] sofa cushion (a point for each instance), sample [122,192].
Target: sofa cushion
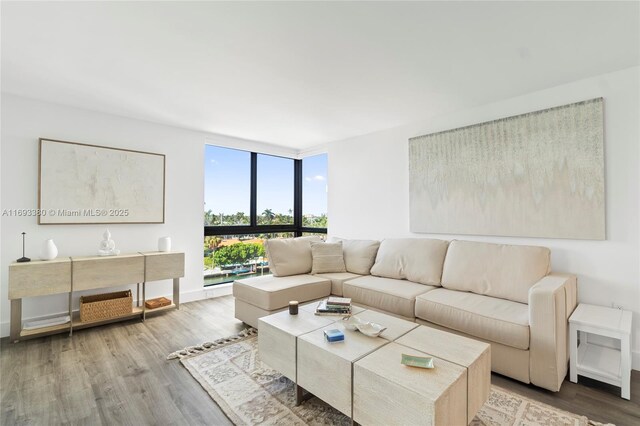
[327,257]
[387,294]
[497,270]
[270,293]
[359,255]
[415,259]
[337,280]
[290,256]
[496,320]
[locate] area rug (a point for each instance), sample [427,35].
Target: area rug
[250,393]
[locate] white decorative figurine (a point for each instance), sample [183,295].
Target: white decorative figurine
[107,245]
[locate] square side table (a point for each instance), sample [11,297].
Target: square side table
[602,363]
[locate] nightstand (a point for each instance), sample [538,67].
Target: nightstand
[603,363]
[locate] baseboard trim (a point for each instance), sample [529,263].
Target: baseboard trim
[187,296]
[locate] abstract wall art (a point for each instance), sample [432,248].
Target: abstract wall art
[539,174]
[89,184]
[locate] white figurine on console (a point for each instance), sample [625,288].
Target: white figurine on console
[107,245]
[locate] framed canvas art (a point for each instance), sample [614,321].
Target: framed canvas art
[539,174]
[91,184]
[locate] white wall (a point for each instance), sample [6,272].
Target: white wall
[24,121]
[369,188]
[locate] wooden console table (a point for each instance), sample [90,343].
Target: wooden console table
[68,275]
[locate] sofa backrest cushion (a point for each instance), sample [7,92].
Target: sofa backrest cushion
[327,258]
[290,256]
[497,270]
[415,259]
[359,255]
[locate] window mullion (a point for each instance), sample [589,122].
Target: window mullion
[253,203]
[297,196]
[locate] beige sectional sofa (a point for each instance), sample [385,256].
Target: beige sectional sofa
[504,295]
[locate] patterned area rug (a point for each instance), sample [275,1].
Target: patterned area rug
[250,393]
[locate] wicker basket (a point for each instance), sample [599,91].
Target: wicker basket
[105,306]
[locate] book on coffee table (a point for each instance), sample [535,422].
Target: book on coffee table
[324,309]
[339,301]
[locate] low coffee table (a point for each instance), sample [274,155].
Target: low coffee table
[277,338]
[362,377]
[325,369]
[387,392]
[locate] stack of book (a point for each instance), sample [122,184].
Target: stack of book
[334,306]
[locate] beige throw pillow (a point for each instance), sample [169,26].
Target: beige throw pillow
[327,257]
[290,256]
[359,255]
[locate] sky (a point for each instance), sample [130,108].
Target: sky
[227,182]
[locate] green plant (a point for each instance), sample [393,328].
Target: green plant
[237,254]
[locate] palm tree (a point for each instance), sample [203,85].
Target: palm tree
[269,215]
[213,242]
[208,217]
[239,218]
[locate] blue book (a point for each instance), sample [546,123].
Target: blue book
[334,335]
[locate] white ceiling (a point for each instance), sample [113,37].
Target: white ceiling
[300,74]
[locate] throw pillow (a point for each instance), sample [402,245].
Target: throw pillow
[327,257]
[290,256]
[359,255]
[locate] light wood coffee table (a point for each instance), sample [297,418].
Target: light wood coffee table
[277,338]
[362,376]
[387,392]
[324,369]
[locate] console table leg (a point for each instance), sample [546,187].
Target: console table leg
[144,299]
[16,319]
[71,313]
[138,294]
[176,292]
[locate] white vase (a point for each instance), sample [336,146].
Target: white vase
[164,244]
[49,250]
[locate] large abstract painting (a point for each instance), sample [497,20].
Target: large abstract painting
[88,184]
[539,174]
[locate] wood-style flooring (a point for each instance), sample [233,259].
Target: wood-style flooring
[118,374]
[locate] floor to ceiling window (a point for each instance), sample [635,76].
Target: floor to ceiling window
[251,197]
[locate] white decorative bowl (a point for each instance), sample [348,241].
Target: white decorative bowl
[371,329]
[351,323]
[367,328]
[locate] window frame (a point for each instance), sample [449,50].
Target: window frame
[253,228]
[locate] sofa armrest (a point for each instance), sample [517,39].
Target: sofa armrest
[551,302]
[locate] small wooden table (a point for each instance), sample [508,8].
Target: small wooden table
[385,392]
[473,356]
[596,361]
[278,341]
[325,369]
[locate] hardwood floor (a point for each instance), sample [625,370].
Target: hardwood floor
[118,374]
